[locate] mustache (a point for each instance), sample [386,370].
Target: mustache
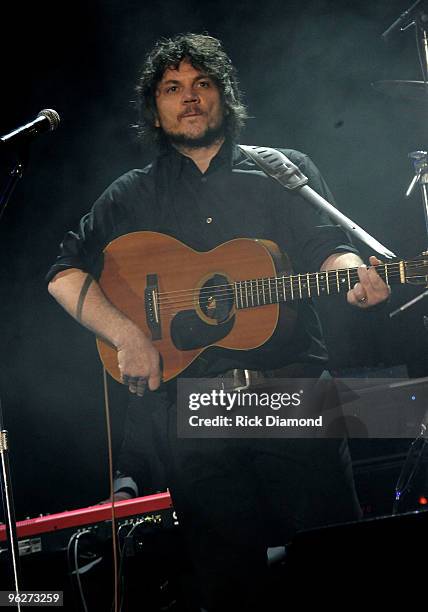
[192,110]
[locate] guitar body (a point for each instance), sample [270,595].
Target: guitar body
[184,300]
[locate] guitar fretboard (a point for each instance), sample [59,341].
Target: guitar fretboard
[273,290]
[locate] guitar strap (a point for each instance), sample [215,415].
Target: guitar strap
[278,166]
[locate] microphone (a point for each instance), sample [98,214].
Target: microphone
[46,121]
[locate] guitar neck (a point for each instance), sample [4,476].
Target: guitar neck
[295,287]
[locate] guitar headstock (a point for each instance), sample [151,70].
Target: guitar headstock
[416,270]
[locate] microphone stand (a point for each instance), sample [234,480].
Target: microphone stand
[420,164]
[15,174]
[416,15]
[9,507]
[411,464]
[402,22]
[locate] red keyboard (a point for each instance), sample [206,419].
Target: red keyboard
[90,515]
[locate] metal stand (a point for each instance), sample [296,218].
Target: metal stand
[403,21]
[420,165]
[416,15]
[6,483]
[9,508]
[14,175]
[411,464]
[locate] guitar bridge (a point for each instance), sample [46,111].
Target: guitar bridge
[151,303]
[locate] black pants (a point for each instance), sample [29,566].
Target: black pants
[236,497]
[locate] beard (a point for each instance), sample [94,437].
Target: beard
[210,136]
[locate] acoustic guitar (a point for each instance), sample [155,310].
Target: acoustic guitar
[234,296]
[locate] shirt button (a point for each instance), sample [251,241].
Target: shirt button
[204,179]
[209,219]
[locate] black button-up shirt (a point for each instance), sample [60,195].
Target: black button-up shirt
[232,199]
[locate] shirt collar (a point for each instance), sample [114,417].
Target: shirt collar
[226,156]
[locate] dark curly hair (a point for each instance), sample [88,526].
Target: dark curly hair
[205,53]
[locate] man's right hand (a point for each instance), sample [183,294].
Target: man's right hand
[82,297]
[139,361]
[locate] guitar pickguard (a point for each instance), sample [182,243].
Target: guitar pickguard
[189,331]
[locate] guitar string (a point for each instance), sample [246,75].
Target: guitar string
[290,278]
[229,290]
[255,288]
[272,278]
[295,277]
[300,292]
[248,285]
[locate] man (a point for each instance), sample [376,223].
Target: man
[233,497]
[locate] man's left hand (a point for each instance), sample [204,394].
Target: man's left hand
[371,289]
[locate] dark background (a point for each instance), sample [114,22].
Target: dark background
[306,69]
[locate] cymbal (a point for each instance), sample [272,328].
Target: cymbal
[405,90]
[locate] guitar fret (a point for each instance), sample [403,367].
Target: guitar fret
[402,272]
[254,292]
[342,278]
[322,279]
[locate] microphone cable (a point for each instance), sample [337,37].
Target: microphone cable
[111,479]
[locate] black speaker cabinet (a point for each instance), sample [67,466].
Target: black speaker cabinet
[382,560]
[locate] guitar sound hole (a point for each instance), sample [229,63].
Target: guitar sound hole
[216,298]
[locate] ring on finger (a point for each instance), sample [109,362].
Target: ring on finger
[134,379]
